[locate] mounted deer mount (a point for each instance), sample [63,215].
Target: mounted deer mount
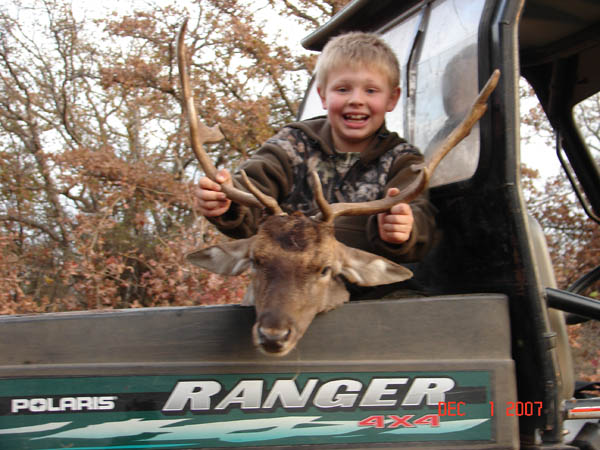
[297,265]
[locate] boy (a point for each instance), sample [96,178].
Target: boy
[356,157]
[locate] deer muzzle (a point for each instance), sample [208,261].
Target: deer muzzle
[274,336]
[273,340]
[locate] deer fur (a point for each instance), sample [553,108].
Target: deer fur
[298,270]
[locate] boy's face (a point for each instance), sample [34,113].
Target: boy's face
[356,101]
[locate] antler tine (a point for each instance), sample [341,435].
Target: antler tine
[269,202]
[200,134]
[326,213]
[425,171]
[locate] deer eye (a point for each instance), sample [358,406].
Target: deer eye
[256,262]
[325,271]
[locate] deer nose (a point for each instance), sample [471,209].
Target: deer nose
[274,334]
[273,340]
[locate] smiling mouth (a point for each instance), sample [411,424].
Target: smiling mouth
[355,117]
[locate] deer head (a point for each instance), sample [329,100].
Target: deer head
[297,266]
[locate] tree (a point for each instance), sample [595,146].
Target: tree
[96,172]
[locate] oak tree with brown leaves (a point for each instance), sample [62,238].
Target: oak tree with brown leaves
[96,170]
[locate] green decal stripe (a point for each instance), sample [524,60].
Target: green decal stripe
[253,413]
[247,431]
[114,447]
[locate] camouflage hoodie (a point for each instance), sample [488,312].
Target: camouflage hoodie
[281,166]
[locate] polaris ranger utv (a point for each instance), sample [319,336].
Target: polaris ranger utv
[480,361]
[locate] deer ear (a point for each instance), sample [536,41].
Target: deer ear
[366,269]
[230,258]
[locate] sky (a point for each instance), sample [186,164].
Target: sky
[536,152]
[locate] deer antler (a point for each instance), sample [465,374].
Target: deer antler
[330,211]
[200,133]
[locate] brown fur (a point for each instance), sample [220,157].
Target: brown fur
[297,270]
[293,233]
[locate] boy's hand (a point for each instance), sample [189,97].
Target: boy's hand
[211,202]
[396,225]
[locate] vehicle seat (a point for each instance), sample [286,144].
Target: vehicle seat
[557,318]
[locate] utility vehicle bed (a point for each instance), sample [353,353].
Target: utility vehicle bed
[426,371]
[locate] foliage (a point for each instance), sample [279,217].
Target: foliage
[96,172]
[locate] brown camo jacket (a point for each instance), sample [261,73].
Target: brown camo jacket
[281,168]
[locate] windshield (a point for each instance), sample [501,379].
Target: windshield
[586,116]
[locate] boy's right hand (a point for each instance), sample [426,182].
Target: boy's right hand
[211,202]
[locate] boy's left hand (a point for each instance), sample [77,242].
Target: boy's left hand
[396,225]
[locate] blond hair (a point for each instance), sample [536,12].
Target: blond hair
[357,49]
